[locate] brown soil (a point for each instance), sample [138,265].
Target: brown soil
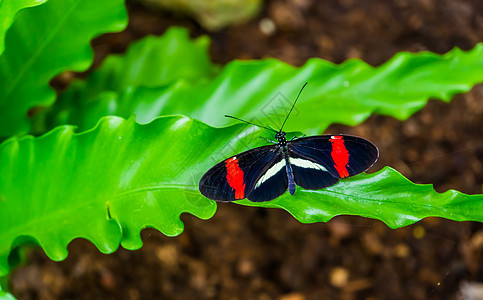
[252,253]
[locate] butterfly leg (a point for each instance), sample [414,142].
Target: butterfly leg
[297,137]
[268,140]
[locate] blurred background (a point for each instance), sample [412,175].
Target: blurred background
[254,253]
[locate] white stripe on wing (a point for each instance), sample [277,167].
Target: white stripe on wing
[304,163]
[270,172]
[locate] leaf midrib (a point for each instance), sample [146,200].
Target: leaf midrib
[374,200]
[44,44]
[361,199]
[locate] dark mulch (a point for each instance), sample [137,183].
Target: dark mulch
[251,253]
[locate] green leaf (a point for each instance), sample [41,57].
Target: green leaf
[154,62]
[108,183]
[3,294]
[151,62]
[8,10]
[6,296]
[263,91]
[386,195]
[44,41]
[104,185]
[347,93]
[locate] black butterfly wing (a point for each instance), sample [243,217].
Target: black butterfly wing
[311,175]
[237,177]
[319,161]
[272,183]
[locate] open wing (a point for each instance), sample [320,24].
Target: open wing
[237,177]
[319,161]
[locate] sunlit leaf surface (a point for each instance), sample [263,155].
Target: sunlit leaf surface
[44,41]
[8,11]
[263,90]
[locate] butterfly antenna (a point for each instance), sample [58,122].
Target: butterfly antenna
[228,116]
[292,107]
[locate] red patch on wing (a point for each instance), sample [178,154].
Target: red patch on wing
[340,155]
[234,175]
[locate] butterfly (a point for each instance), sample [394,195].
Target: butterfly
[265,173]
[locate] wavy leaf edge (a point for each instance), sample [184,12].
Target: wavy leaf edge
[8,21]
[341,82]
[106,248]
[79,58]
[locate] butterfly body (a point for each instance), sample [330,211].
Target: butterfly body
[264,173]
